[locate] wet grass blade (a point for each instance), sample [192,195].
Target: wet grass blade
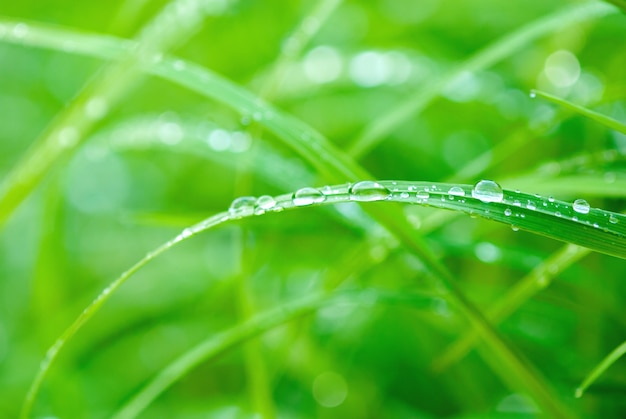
[598,117]
[504,47]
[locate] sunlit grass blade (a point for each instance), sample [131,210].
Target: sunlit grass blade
[610,359]
[261,322]
[497,51]
[178,20]
[536,281]
[598,117]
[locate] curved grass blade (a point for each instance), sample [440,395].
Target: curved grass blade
[610,359]
[258,324]
[598,117]
[504,47]
[546,216]
[177,21]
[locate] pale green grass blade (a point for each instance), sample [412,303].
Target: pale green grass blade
[536,281]
[261,322]
[598,117]
[599,370]
[178,20]
[504,47]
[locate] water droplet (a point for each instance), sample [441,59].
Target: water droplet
[404,195]
[20,30]
[456,191]
[551,198]
[533,94]
[517,203]
[68,137]
[613,219]
[423,195]
[531,205]
[242,207]
[96,108]
[514,227]
[558,214]
[574,218]
[307,196]
[581,206]
[488,191]
[508,212]
[265,202]
[179,65]
[367,191]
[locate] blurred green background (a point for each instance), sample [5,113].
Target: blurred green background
[165,157]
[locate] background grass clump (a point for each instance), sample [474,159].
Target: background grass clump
[124,123]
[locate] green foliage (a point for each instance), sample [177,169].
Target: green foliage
[304,313]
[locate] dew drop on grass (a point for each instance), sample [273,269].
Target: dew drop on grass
[404,195]
[488,191]
[265,202]
[581,206]
[456,191]
[514,227]
[367,191]
[242,207]
[307,196]
[508,212]
[531,206]
[533,94]
[613,219]
[423,195]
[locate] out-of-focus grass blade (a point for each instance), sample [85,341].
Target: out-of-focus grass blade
[602,366]
[261,322]
[598,117]
[502,48]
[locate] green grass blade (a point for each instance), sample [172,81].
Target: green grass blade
[600,368]
[258,324]
[545,216]
[504,47]
[536,281]
[598,117]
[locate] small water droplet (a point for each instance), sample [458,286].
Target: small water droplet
[517,203]
[242,207]
[551,198]
[581,206]
[533,94]
[456,191]
[574,218]
[596,225]
[558,213]
[96,108]
[508,212]
[404,195]
[514,227]
[613,219]
[367,191]
[531,205]
[265,202]
[423,194]
[488,191]
[20,30]
[308,196]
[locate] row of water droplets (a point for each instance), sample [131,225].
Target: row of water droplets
[440,195]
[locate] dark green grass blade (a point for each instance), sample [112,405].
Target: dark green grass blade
[600,368]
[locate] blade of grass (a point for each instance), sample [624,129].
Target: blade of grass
[336,165]
[544,216]
[488,56]
[610,359]
[178,20]
[598,117]
[256,325]
[537,280]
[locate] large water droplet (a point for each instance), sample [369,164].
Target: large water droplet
[581,206]
[456,191]
[242,207]
[307,196]
[265,202]
[488,191]
[367,191]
